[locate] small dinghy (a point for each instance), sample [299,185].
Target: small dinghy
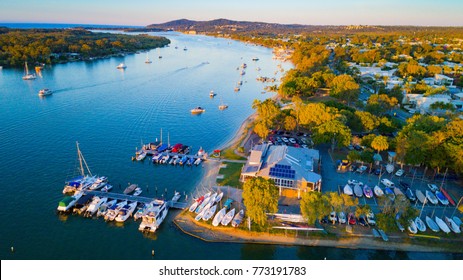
[367,192]
[431,198]
[412,227]
[389,193]
[442,199]
[420,196]
[348,190]
[410,195]
[358,190]
[383,235]
[442,225]
[376,233]
[431,224]
[452,225]
[378,191]
[420,224]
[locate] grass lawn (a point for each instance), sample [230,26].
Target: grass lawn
[231,175]
[229,154]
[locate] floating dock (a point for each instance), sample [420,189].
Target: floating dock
[140,199]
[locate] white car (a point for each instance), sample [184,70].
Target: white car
[371,218]
[399,172]
[333,217]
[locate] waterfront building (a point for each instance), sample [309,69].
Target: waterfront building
[293,169]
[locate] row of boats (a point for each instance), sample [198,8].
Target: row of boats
[176,159]
[358,189]
[206,206]
[151,214]
[437,224]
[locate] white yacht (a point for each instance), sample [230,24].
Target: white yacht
[126,212]
[153,219]
[114,210]
[27,75]
[94,205]
[68,202]
[197,110]
[121,66]
[104,207]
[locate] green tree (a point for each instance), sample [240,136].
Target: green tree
[345,88]
[380,143]
[368,121]
[314,205]
[334,132]
[267,111]
[261,129]
[290,123]
[260,196]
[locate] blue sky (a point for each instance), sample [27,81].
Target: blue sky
[320,12]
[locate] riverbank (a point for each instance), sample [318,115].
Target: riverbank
[208,233]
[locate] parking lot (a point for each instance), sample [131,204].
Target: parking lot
[299,139]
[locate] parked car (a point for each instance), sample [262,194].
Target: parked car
[352,220]
[399,172]
[433,187]
[362,221]
[333,217]
[371,218]
[324,220]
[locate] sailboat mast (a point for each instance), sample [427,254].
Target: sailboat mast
[168,139]
[27,69]
[161,135]
[80,159]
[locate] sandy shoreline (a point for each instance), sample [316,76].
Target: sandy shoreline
[207,233]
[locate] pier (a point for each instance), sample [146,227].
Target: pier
[139,199]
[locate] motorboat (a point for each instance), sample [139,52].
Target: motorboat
[431,224]
[219,216]
[197,110]
[412,227]
[358,190]
[107,188]
[68,202]
[367,191]
[126,212]
[389,193]
[342,218]
[452,225]
[212,93]
[219,197]
[228,217]
[114,210]
[82,204]
[176,196]
[210,212]
[197,161]
[153,219]
[457,221]
[130,189]
[420,224]
[348,190]
[399,225]
[99,183]
[442,199]
[121,66]
[72,185]
[104,207]
[431,197]
[45,92]
[237,89]
[238,218]
[421,197]
[137,191]
[142,210]
[378,191]
[442,225]
[94,205]
[223,107]
[410,195]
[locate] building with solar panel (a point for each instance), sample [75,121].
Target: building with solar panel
[293,169]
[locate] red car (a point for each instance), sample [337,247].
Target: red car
[352,220]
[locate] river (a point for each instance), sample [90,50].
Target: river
[110,112]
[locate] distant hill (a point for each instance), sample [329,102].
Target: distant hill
[230,26]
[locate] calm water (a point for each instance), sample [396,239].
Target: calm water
[110,112]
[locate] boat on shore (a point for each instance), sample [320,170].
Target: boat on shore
[238,218]
[389,193]
[442,199]
[348,190]
[367,191]
[421,197]
[420,224]
[431,198]
[383,235]
[358,190]
[431,224]
[457,221]
[378,191]
[219,216]
[442,225]
[412,227]
[210,212]
[228,217]
[452,225]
